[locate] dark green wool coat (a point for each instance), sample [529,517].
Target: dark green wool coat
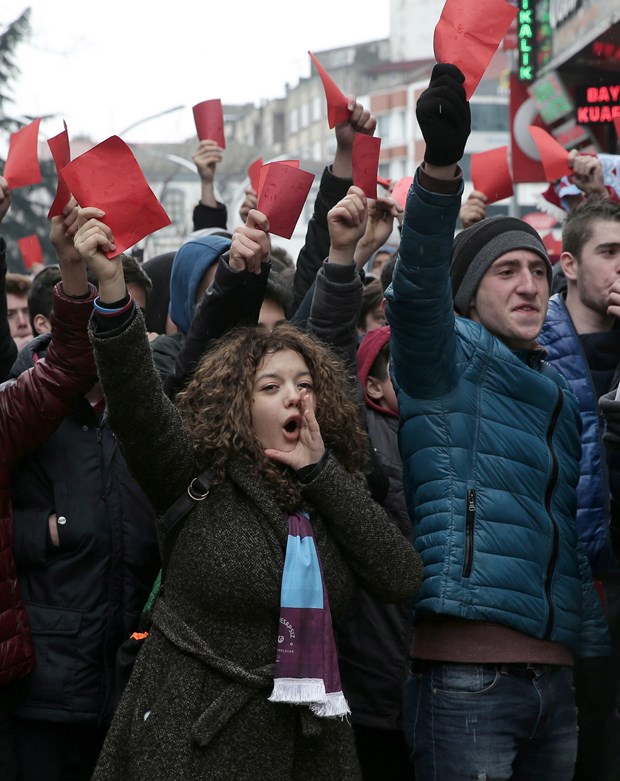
[205,673]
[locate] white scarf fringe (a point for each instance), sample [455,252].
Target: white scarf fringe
[333,705]
[310,691]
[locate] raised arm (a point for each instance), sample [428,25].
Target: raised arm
[338,290]
[333,188]
[234,298]
[145,421]
[419,300]
[208,212]
[32,405]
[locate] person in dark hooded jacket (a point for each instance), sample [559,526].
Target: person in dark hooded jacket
[374,638]
[86,555]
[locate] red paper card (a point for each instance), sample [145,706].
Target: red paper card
[553,156]
[61,153]
[491,175]
[337,105]
[283,196]
[254,172]
[22,162]
[262,174]
[209,119]
[468,34]
[401,190]
[109,177]
[31,250]
[384,182]
[365,160]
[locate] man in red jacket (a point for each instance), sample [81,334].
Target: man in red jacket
[30,409]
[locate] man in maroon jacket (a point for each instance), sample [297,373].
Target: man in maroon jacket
[30,409]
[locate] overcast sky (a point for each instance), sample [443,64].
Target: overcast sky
[103,66]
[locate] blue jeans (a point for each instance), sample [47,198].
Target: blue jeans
[490,722]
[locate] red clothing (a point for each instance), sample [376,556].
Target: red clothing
[30,409]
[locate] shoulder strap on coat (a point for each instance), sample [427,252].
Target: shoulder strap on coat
[197,491]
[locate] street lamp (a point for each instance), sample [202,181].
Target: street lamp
[149,118]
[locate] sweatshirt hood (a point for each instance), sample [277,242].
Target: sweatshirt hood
[188,268]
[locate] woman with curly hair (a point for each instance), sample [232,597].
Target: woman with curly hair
[239,676]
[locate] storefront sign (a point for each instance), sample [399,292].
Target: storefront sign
[551,98]
[559,10]
[526,41]
[597,103]
[590,20]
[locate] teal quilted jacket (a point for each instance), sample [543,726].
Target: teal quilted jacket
[490,445]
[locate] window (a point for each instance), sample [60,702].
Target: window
[383,126]
[397,125]
[489,116]
[305,114]
[174,203]
[292,121]
[317,105]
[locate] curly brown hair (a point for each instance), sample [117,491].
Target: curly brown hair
[216,406]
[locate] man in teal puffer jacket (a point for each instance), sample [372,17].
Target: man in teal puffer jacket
[489,437]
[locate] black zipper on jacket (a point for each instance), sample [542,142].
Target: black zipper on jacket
[469,532]
[553,479]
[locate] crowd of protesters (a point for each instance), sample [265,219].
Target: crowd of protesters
[380,484]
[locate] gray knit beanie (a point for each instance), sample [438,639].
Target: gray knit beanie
[477,247]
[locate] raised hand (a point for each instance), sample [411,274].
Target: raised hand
[347,222]
[474,209]
[310,447]
[92,239]
[62,232]
[251,245]
[206,157]
[381,215]
[360,121]
[444,116]
[588,174]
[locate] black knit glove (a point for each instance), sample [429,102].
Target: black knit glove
[444,116]
[610,410]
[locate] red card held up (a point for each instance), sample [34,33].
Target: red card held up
[401,190]
[337,105]
[209,119]
[61,154]
[491,175]
[365,160]
[553,156]
[283,196]
[30,248]
[108,176]
[22,162]
[468,34]
[262,174]
[384,182]
[253,173]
